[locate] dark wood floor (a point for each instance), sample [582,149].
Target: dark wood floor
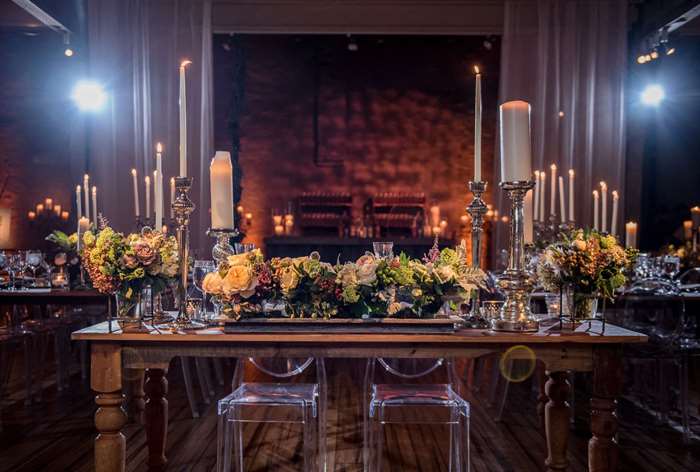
[57,435]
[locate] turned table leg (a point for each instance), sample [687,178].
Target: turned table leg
[156,415]
[106,380]
[556,420]
[607,386]
[135,395]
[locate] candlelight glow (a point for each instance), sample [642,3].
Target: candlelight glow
[603,186]
[159,147]
[133,172]
[553,167]
[185,63]
[571,172]
[476,70]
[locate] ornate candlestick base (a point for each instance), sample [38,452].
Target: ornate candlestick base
[517,282]
[222,249]
[477,209]
[183,207]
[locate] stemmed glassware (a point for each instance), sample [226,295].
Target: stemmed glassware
[201,269]
[17,266]
[242,248]
[5,267]
[383,250]
[33,261]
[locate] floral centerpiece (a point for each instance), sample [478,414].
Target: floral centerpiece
[67,258]
[370,286]
[587,264]
[240,284]
[125,265]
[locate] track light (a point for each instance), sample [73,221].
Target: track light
[653,95]
[68,51]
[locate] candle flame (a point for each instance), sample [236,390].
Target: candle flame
[571,172]
[94,190]
[537,174]
[615,194]
[695,209]
[185,63]
[159,147]
[133,172]
[77,188]
[147,179]
[172,180]
[553,167]
[476,70]
[595,193]
[603,185]
[86,177]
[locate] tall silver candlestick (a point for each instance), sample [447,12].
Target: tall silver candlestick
[477,209]
[183,207]
[517,282]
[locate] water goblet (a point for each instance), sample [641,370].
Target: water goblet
[17,266]
[33,260]
[383,249]
[201,269]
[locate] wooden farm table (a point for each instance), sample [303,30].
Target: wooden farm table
[114,353]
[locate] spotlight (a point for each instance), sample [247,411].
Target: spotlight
[641,59]
[647,57]
[68,52]
[89,96]
[66,41]
[653,95]
[654,54]
[670,51]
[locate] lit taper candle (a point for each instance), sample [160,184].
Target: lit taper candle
[134,178]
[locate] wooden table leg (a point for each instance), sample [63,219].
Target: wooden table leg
[556,420]
[156,416]
[607,386]
[106,380]
[135,396]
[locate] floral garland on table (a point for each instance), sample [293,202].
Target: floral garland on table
[310,288]
[586,262]
[125,265]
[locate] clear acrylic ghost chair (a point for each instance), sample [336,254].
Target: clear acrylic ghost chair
[414,403]
[275,402]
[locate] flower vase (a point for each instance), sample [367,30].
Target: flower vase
[130,312]
[581,306]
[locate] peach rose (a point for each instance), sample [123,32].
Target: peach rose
[240,280]
[213,283]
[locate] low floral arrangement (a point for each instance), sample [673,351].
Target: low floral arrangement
[125,265]
[67,256]
[586,263]
[310,288]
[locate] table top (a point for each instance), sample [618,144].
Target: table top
[215,335]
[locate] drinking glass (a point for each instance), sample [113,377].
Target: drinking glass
[671,266]
[491,309]
[17,266]
[201,269]
[383,249]
[4,268]
[242,248]
[33,260]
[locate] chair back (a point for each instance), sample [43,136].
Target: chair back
[276,367]
[410,368]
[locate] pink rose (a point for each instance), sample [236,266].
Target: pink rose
[145,253]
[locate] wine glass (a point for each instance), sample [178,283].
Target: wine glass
[33,260]
[17,266]
[671,266]
[5,267]
[383,250]
[242,248]
[201,269]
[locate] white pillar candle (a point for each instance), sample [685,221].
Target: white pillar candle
[562,206]
[516,152]
[553,185]
[57,209]
[543,184]
[158,186]
[536,205]
[477,127]
[631,234]
[94,205]
[147,184]
[86,193]
[172,196]
[221,183]
[528,231]
[572,218]
[616,204]
[48,203]
[134,179]
[78,205]
[83,226]
[434,215]
[595,210]
[604,209]
[183,119]
[695,216]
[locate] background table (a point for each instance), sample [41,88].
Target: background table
[113,351]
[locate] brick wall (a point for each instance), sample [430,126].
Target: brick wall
[395,115]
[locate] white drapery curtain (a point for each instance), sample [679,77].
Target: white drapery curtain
[136,47]
[570,56]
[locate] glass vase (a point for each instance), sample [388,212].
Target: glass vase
[581,306]
[130,312]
